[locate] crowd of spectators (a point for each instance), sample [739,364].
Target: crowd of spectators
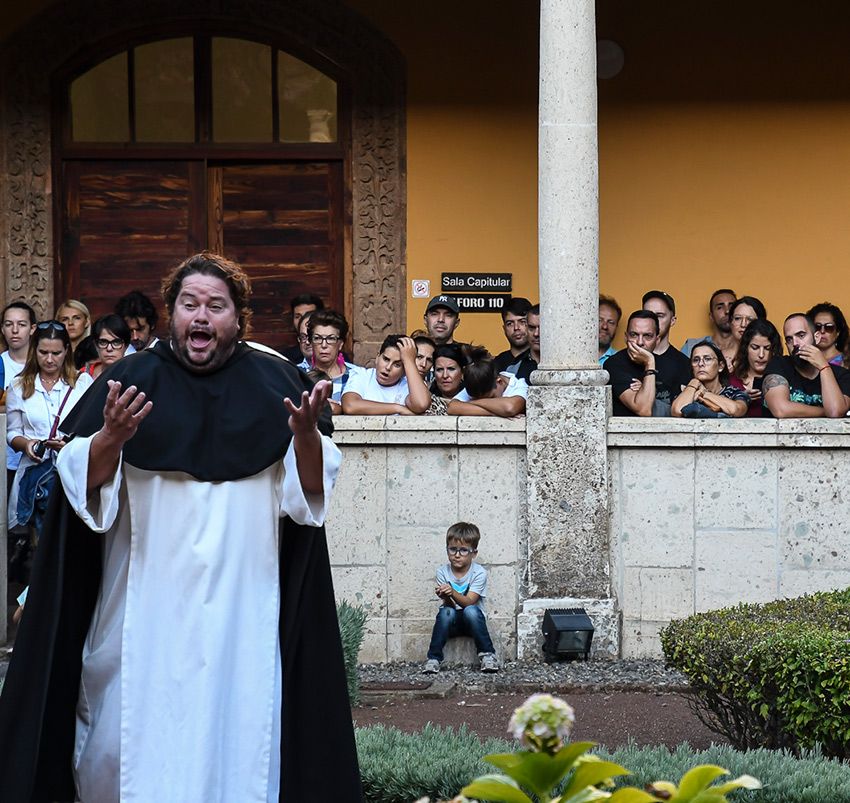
[427,372]
[738,370]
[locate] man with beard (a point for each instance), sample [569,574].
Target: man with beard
[442,317]
[191,652]
[719,304]
[515,327]
[141,316]
[804,384]
[610,313]
[527,363]
[639,386]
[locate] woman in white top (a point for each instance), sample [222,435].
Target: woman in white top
[48,382]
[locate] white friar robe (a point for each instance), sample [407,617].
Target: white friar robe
[180,696]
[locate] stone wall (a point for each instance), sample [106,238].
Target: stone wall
[403,482]
[706,514]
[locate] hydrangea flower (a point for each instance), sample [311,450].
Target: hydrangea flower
[542,723]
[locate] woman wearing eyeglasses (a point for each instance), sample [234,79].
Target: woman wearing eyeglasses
[37,400]
[741,314]
[709,394]
[111,337]
[326,331]
[831,329]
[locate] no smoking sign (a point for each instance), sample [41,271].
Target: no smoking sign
[420,288]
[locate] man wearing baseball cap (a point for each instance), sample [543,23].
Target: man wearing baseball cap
[442,317]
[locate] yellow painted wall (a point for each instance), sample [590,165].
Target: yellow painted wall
[471,144]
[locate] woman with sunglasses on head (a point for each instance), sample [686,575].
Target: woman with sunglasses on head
[37,400]
[830,332]
[709,394]
[759,344]
[77,320]
[326,331]
[111,337]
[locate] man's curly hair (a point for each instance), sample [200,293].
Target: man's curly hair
[210,264]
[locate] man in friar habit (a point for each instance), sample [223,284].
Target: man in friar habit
[180,641]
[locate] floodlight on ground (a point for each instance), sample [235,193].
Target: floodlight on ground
[567,634]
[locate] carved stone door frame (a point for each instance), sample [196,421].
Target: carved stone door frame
[375,73]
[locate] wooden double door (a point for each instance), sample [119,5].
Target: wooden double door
[125,224]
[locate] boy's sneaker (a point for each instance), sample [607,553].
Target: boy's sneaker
[489,662]
[431,667]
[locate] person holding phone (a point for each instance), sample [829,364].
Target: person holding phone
[45,391]
[759,343]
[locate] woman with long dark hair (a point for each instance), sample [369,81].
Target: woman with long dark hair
[759,344]
[742,313]
[39,397]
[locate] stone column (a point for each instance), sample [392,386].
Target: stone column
[569,404]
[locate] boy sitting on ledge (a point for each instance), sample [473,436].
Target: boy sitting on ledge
[462,587]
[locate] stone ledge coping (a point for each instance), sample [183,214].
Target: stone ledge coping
[746,433]
[442,430]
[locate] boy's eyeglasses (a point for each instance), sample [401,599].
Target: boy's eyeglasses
[51,325]
[463,551]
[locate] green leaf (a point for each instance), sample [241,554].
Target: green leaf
[539,772]
[743,782]
[495,788]
[592,773]
[630,794]
[699,778]
[586,795]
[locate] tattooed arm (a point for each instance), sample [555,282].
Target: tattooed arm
[777,396]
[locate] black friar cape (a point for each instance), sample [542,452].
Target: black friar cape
[225,425]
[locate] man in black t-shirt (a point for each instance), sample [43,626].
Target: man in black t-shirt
[660,378]
[527,362]
[515,326]
[804,384]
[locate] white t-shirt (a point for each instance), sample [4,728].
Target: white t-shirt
[365,384]
[516,387]
[11,369]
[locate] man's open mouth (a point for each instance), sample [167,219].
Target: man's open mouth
[199,340]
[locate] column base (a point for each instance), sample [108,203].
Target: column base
[603,614]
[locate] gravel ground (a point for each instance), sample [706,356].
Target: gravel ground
[626,675]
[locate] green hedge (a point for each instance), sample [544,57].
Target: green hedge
[438,762]
[774,675]
[352,619]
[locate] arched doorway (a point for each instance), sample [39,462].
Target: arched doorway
[264,197]
[175,145]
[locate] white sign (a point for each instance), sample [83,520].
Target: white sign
[420,288]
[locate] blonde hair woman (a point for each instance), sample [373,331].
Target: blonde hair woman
[77,319]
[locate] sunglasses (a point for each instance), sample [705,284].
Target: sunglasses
[51,325]
[825,327]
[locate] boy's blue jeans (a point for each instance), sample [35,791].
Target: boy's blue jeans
[468,621]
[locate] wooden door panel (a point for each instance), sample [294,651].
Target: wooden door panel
[128,223]
[279,222]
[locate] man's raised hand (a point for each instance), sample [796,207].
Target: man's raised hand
[123,412]
[303,419]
